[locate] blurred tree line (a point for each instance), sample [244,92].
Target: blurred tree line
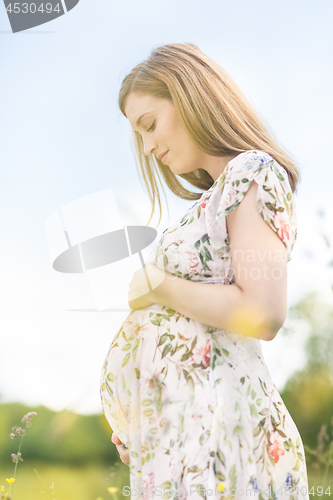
[63,437]
[308,393]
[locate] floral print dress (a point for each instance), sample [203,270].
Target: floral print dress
[196,405]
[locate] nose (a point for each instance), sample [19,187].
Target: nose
[148,146]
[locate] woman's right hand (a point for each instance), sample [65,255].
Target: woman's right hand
[123,452]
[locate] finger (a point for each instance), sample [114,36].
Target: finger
[124,454]
[121,448]
[115,439]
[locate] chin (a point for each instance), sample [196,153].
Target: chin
[176,172]
[179,171]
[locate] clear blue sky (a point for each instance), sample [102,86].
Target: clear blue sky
[63,137]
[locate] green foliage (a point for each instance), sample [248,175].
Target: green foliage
[313,316]
[308,394]
[64,437]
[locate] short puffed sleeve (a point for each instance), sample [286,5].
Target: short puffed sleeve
[275,201]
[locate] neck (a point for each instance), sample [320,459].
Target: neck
[216,165]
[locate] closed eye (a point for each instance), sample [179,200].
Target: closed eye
[152,126]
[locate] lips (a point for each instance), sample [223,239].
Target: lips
[164,157]
[161,156]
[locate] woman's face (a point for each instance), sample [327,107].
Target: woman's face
[158,123]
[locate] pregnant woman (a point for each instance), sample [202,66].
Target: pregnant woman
[184,386]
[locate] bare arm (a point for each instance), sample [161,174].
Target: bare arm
[256,305]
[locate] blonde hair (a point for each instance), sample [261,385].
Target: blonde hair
[213,110]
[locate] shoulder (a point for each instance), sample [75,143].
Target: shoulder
[251,162]
[270,193]
[258,166]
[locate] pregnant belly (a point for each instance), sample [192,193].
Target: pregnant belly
[152,347]
[157,358]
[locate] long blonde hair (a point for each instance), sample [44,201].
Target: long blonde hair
[215,113]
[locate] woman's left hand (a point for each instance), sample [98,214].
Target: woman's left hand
[140,295]
[122,449]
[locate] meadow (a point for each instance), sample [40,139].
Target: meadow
[69,483]
[92,483]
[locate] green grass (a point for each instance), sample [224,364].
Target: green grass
[70,483]
[91,482]
[315,479]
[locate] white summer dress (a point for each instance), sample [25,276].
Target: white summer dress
[196,405]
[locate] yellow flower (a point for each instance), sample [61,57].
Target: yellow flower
[112,489]
[11,480]
[2,488]
[220,486]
